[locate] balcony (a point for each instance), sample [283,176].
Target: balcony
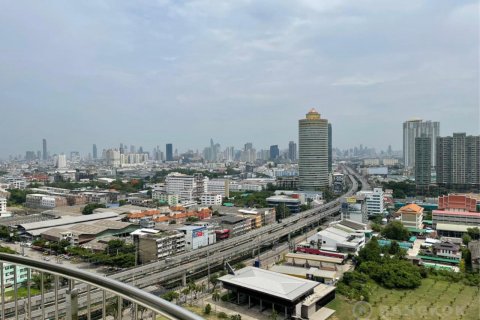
[53,291]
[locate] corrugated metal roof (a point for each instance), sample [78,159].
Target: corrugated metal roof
[67,220]
[271,283]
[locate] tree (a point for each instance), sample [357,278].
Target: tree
[88,209]
[474,233]
[213,280]
[371,251]
[208,309]
[394,248]
[395,231]
[122,202]
[235,317]
[466,239]
[282,212]
[192,219]
[376,227]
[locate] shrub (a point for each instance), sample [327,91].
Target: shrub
[208,309]
[222,315]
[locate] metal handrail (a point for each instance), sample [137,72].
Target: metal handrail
[126,291]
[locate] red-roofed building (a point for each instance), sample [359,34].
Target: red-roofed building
[457,202]
[411,215]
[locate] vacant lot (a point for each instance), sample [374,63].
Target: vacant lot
[434,299]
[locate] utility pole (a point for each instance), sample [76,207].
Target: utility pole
[208,272]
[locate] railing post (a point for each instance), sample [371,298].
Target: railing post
[2,284]
[42,291]
[72,299]
[119,308]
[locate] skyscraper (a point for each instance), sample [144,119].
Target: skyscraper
[94,153]
[45,156]
[274,152]
[313,152]
[329,147]
[458,160]
[292,151]
[423,160]
[169,152]
[413,129]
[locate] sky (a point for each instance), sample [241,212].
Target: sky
[153,72]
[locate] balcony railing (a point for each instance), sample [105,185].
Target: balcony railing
[85,296]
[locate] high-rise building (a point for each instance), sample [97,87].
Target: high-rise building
[94,153]
[423,161]
[330,148]
[61,161]
[169,152]
[458,160]
[313,152]
[413,129]
[274,152]
[292,151]
[45,156]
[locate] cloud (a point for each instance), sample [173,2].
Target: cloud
[184,71]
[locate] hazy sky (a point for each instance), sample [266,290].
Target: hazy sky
[152,72]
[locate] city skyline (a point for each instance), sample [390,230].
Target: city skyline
[110,67]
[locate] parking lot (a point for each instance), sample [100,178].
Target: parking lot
[38,255]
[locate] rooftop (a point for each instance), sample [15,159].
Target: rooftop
[411,208]
[269,282]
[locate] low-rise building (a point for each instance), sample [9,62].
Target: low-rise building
[447,250]
[344,236]
[211,199]
[236,224]
[474,247]
[162,196]
[411,216]
[196,236]
[355,208]
[9,272]
[293,203]
[156,245]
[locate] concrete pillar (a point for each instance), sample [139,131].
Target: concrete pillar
[261,306]
[184,279]
[238,297]
[286,313]
[248,302]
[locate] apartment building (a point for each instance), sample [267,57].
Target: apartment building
[211,199]
[156,245]
[219,186]
[189,188]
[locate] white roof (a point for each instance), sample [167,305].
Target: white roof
[302,272]
[268,282]
[453,227]
[66,220]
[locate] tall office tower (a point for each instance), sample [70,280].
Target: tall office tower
[132,148]
[443,159]
[413,129]
[39,155]
[169,152]
[458,160]
[274,152]
[423,161]
[313,152]
[472,160]
[330,147]
[292,151]
[45,156]
[30,155]
[94,153]
[61,161]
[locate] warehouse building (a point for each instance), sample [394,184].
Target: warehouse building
[291,296]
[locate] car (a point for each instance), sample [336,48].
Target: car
[46,258]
